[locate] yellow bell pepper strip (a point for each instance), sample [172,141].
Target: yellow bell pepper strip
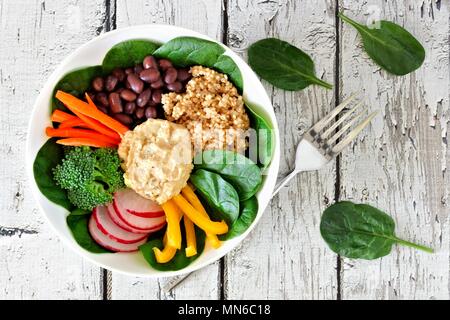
[165,255]
[190,196]
[191,241]
[173,216]
[196,217]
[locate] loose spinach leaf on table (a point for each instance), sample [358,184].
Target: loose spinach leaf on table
[46,159]
[127,53]
[390,46]
[179,261]
[241,172]
[249,210]
[218,193]
[283,65]
[265,137]
[360,231]
[76,83]
[188,51]
[78,225]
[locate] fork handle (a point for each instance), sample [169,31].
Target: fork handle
[284,181]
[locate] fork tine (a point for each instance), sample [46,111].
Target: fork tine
[352,134]
[325,120]
[340,120]
[341,131]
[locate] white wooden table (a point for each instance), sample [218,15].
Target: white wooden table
[399,164]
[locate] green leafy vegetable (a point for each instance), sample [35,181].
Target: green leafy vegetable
[89,176]
[249,210]
[241,172]
[360,231]
[226,65]
[78,225]
[46,159]
[188,51]
[179,261]
[127,53]
[283,65]
[76,83]
[265,138]
[390,46]
[218,193]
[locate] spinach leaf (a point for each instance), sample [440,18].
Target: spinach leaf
[360,231]
[265,138]
[218,193]
[127,53]
[283,65]
[78,225]
[179,261]
[76,83]
[46,159]
[187,51]
[390,46]
[241,172]
[249,210]
[226,65]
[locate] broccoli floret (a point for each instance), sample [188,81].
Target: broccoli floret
[89,176]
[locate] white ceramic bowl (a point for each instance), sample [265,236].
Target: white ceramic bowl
[92,53]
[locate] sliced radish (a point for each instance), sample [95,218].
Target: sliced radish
[144,224]
[107,226]
[122,224]
[137,205]
[109,243]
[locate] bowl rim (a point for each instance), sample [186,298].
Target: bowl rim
[59,72]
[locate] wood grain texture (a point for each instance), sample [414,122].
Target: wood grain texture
[205,17]
[284,257]
[400,164]
[35,37]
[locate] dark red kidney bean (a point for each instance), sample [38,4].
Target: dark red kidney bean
[156,96]
[98,84]
[139,113]
[123,118]
[143,98]
[115,103]
[171,75]
[152,103]
[164,64]
[149,75]
[183,75]
[158,84]
[128,95]
[119,90]
[149,62]
[128,71]
[129,107]
[176,86]
[110,83]
[102,98]
[119,74]
[91,95]
[103,109]
[138,68]
[136,84]
[150,112]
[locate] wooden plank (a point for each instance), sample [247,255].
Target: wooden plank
[35,37]
[400,163]
[205,17]
[284,257]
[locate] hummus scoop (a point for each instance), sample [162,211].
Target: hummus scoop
[157,159]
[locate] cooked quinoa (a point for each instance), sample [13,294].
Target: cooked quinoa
[211,109]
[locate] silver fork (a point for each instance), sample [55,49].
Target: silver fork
[320,144]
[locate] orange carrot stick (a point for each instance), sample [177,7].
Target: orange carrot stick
[75,122]
[76,142]
[79,133]
[60,116]
[81,107]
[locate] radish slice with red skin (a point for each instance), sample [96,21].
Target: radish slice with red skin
[108,243]
[122,224]
[138,205]
[107,226]
[144,224]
